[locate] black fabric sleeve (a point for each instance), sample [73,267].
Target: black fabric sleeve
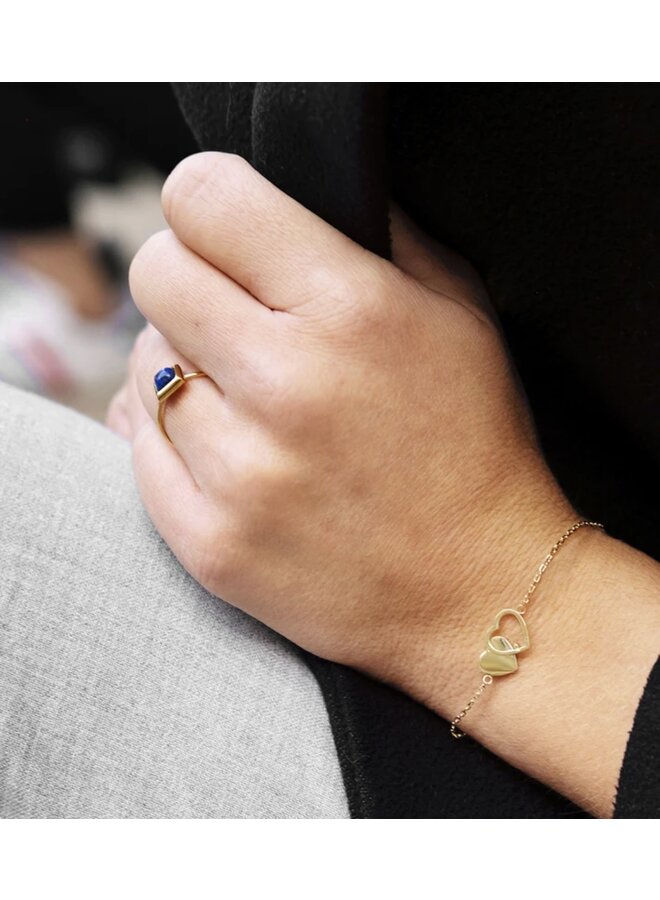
[638,795]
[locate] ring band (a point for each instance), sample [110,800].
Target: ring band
[167,381]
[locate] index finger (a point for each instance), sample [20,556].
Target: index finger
[283,254]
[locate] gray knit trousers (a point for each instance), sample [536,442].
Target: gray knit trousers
[126,690]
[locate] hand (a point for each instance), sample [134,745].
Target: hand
[352,471]
[360,471]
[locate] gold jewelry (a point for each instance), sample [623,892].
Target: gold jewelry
[500,656]
[167,381]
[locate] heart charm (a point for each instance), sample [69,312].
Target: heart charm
[500,662]
[500,655]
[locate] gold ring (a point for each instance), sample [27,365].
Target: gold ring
[167,381]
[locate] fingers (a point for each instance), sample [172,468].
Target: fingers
[174,502]
[284,255]
[199,309]
[126,413]
[116,417]
[196,417]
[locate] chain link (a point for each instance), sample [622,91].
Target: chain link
[522,609]
[455,731]
[551,555]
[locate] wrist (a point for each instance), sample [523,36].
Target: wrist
[565,715]
[485,566]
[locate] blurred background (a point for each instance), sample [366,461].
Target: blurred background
[82,168]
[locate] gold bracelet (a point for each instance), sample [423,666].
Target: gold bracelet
[500,656]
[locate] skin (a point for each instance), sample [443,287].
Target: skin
[360,472]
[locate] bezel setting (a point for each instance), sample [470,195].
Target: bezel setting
[177,381]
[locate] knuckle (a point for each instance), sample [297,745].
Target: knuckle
[117,412]
[137,353]
[141,341]
[147,263]
[201,179]
[274,373]
[384,315]
[265,482]
[256,484]
[375,292]
[146,358]
[326,285]
[354,300]
[213,555]
[291,395]
[333,291]
[184,182]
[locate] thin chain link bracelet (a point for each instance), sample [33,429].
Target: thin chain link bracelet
[500,656]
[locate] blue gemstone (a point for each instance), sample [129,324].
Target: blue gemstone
[163,378]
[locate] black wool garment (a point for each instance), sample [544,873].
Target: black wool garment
[552,192]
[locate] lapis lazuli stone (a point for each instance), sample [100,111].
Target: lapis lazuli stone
[163,378]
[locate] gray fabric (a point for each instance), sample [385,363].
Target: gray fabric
[125,689]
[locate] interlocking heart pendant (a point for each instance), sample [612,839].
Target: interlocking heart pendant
[500,655]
